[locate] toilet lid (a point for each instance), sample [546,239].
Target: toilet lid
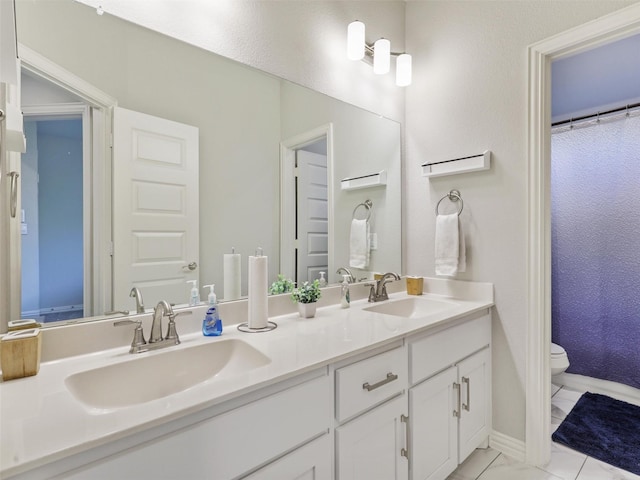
[557,349]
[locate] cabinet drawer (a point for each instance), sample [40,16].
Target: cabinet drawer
[433,353]
[369,382]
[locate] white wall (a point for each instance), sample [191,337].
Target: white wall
[470,94]
[596,80]
[302,41]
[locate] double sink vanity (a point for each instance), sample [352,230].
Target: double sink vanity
[396,389]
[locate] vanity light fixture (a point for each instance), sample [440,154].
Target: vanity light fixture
[380,52]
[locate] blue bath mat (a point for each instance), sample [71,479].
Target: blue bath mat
[603,428]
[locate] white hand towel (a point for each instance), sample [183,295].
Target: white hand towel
[447,244]
[462,256]
[359,244]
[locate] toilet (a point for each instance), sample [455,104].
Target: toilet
[559,359]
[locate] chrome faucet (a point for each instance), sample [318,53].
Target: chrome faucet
[378,290]
[346,271]
[135,293]
[156,341]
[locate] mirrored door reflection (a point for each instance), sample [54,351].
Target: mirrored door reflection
[312,212]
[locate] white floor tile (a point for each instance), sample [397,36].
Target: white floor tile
[504,468]
[596,470]
[565,463]
[563,401]
[475,464]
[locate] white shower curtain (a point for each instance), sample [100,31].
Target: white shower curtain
[595,228]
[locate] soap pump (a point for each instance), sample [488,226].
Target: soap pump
[345,297]
[322,281]
[212,323]
[194,297]
[212,300]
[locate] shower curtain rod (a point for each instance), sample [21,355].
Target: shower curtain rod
[595,115]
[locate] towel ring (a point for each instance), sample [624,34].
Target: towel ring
[454,196]
[368,204]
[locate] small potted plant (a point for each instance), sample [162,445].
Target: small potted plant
[282,285]
[306,296]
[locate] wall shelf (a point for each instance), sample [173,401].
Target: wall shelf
[472,163]
[364,181]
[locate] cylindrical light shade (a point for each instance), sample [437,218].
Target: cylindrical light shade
[381,56]
[403,70]
[355,41]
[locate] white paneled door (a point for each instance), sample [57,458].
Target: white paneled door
[155,208]
[313,216]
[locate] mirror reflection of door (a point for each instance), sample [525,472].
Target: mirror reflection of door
[312,253]
[52,218]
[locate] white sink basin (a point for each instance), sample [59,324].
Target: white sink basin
[145,378]
[413,307]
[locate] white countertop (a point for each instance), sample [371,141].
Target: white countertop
[41,421]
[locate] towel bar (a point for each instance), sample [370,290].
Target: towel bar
[368,204]
[454,196]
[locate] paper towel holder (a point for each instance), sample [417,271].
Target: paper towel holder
[244,327]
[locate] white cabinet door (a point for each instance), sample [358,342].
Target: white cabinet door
[309,462]
[370,446]
[474,376]
[433,406]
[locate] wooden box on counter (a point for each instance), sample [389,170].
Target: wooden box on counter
[20,352]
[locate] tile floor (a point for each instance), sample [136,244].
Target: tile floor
[565,464]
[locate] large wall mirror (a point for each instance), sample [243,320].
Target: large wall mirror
[263,145]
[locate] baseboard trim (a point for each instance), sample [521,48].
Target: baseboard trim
[510,446]
[620,391]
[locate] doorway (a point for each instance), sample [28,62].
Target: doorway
[52,224]
[306,199]
[51,94]
[312,212]
[618,25]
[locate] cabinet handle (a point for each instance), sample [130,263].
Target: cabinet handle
[390,378]
[405,451]
[467,406]
[456,411]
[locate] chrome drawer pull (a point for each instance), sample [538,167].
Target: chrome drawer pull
[405,451]
[456,411]
[467,406]
[390,378]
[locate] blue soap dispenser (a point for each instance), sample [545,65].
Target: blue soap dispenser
[212,323]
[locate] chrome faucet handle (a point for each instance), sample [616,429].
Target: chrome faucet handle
[172,333]
[372,291]
[138,334]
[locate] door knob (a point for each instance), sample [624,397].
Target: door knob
[192,266]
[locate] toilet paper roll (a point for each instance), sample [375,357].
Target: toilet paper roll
[232,276]
[258,288]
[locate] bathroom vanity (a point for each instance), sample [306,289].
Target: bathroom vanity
[395,389]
